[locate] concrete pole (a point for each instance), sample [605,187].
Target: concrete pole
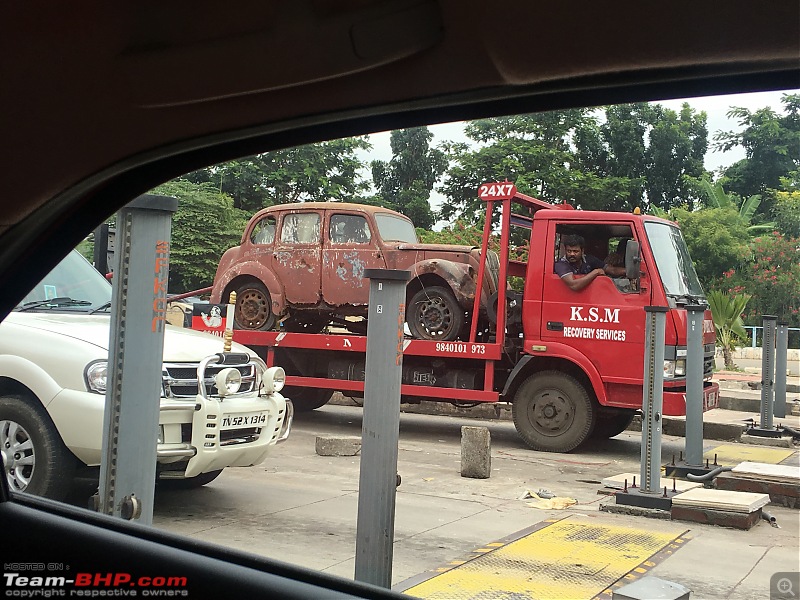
[694,385]
[138,320]
[652,399]
[767,370]
[781,351]
[381,426]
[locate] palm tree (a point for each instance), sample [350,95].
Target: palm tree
[726,311]
[718,198]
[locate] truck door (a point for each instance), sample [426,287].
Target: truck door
[297,255]
[349,249]
[605,320]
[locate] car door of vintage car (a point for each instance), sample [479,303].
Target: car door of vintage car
[350,247]
[297,256]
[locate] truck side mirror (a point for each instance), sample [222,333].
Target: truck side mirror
[632,260]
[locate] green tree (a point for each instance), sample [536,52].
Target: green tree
[536,152]
[786,210]
[405,182]
[770,272]
[323,171]
[716,238]
[205,225]
[771,142]
[726,311]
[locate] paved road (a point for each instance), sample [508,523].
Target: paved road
[301,508]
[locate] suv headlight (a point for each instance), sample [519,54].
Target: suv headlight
[273,380]
[96,374]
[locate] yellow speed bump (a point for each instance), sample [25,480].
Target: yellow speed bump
[572,558]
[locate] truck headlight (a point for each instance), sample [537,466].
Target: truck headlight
[273,380]
[675,368]
[228,381]
[96,375]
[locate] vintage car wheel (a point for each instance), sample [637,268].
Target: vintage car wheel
[253,307]
[612,421]
[435,314]
[34,459]
[553,412]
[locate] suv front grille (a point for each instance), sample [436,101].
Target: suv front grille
[180,379]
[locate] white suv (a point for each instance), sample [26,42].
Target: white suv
[53,366]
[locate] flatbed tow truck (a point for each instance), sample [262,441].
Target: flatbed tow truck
[569,362]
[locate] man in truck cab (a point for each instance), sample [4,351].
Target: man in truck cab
[578,269]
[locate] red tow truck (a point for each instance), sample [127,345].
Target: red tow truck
[569,362]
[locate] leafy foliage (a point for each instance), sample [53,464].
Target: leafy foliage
[205,225]
[770,142]
[323,171]
[405,182]
[770,272]
[716,197]
[786,210]
[716,238]
[726,311]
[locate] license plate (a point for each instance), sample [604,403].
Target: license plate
[711,400]
[247,420]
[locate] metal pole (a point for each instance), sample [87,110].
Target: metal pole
[381,426]
[653,398]
[781,350]
[767,370]
[138,318]
[694,385]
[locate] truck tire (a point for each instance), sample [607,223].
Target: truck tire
[553,412]
[191,483]
[434,314]
[612,421]
[253,308]
[35,458]
[307,399]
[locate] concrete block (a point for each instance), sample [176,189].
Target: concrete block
[476,452]
[757,440]
[716,517]
[326,445]
[652,588]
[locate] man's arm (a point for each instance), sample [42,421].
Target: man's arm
[576,284]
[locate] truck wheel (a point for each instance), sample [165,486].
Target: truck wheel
[611,422]
[553,412]
[307,399]
[434,314]
[35,459]
[190,483]
[253,307]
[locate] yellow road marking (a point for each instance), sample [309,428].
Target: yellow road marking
[730,455]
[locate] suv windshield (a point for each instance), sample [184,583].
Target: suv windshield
[395,229]
[674,264]
[74,285]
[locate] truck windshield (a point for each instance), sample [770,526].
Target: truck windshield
[674,264]
[395,229]
[73,285]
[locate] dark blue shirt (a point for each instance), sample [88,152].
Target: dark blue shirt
[589,263]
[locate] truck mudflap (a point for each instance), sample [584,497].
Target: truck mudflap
[675,401]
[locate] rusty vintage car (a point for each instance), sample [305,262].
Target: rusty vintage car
[301,266]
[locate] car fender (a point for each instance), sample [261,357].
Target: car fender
[31,375]
[252,269]
[458,277]
[559,352]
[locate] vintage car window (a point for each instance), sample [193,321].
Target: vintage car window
[302,228]
[395,229]
[264,231]
[349,229]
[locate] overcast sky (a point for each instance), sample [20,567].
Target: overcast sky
[715,107]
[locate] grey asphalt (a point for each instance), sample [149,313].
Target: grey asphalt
[301,508]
